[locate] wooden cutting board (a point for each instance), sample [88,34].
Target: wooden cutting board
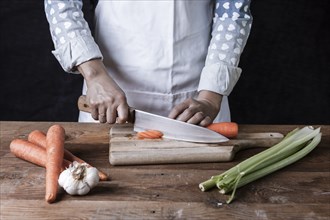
[127,149]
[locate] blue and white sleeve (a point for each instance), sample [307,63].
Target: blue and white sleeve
[70,33]
[231,28]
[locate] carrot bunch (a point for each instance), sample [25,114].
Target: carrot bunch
[47,150]
[39,138]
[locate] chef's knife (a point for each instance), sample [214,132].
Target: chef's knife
[172,129]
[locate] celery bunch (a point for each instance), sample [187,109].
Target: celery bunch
[294,146]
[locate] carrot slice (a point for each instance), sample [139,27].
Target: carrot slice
[150,134]
[155,133]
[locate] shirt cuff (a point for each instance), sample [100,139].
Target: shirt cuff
[77,51]
[219,78]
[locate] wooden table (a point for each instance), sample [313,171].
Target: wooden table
[299,191]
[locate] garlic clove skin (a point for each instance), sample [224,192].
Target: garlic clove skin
[78,188]
[92,179]
[74,187]
[63,177]
[84,189]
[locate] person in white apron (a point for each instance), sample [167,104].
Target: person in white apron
[156,56]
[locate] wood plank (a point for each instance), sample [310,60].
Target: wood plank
[34,209]
[132,184]
[81,133]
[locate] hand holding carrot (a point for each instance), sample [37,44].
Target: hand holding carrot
[200,111]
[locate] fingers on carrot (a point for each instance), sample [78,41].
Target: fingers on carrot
[150,134]
[28,151]
[55,151]
[227,129]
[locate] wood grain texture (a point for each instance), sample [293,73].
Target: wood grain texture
[168,191]
[160,210]
[126,148]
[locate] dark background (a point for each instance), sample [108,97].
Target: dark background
[285,64]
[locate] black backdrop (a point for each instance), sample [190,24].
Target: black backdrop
[285,64]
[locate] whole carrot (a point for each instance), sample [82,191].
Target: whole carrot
[39,138]
[227,129]
[28,151]
[32,153]
[55,151]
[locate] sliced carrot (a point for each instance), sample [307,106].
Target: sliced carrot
[144,135]
[39,138]
[55,152]
[155,132]
[32,153]
[227,129]
[150,134]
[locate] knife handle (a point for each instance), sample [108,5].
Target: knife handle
[85,107]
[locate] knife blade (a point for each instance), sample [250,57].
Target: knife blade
[171,128]
[174,129]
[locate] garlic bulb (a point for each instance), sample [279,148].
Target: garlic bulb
[79,178]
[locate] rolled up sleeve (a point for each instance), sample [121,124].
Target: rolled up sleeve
[71,35]
[77,51]
[231,27]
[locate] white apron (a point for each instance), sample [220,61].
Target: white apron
[155,51]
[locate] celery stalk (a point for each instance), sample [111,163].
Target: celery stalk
[267,157]
[295,145]
[283,163]
[276,166]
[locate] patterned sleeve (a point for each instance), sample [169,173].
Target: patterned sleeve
[70,33]
[231,27]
